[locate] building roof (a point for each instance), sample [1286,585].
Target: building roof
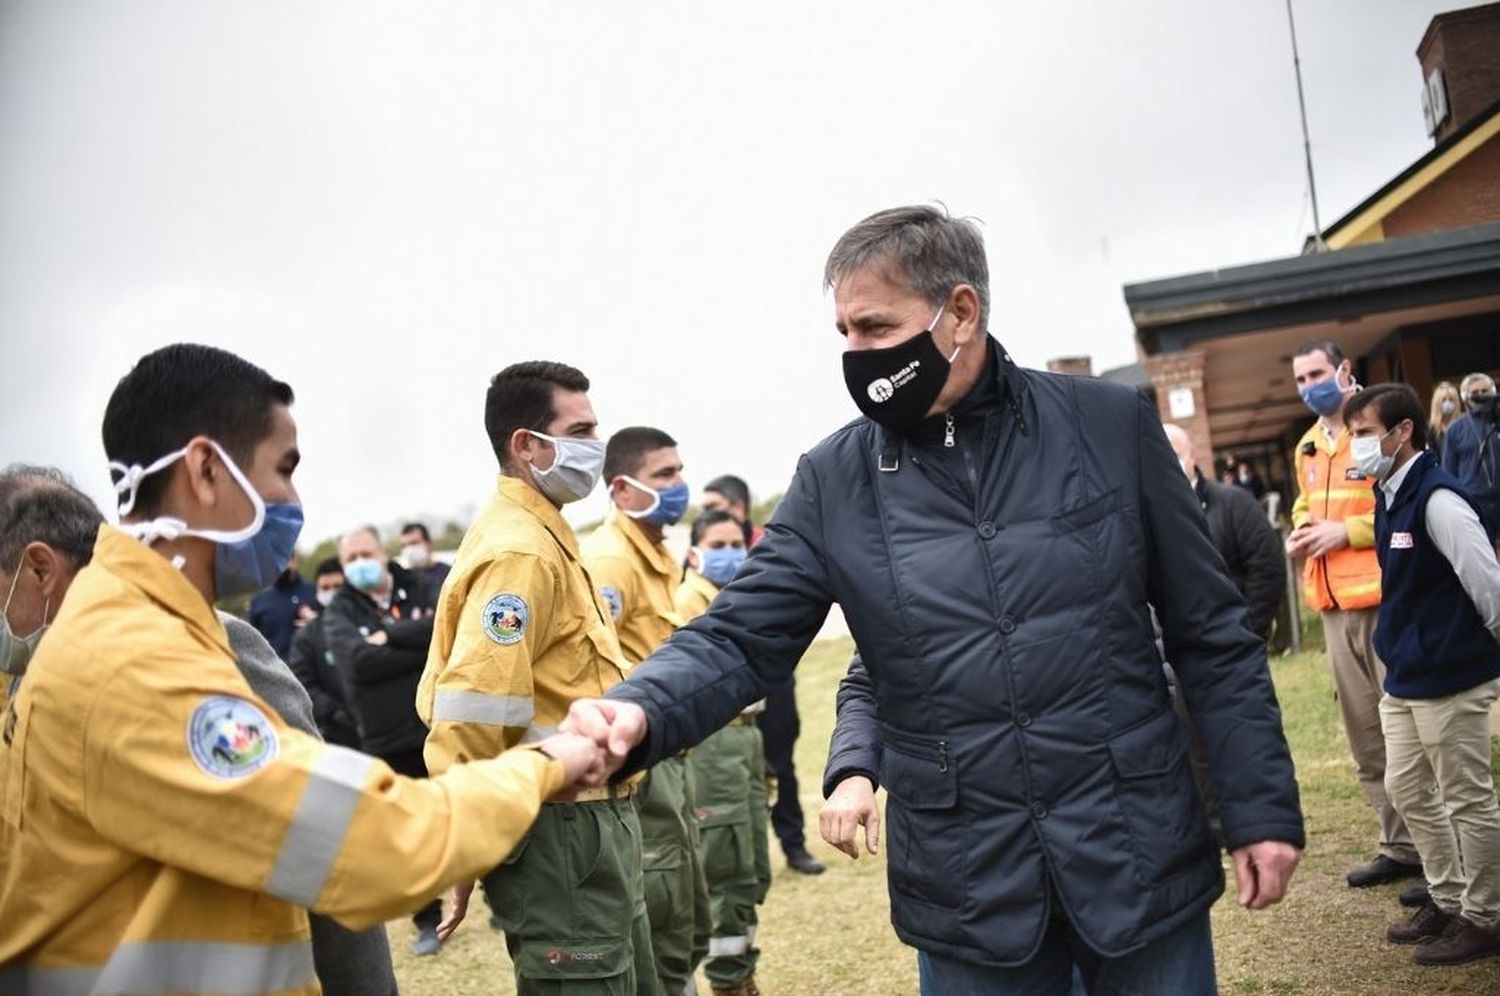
[1363,222]
[1248,320]
[1176,312]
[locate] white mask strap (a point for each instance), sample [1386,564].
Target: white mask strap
[170,528]
[655,498]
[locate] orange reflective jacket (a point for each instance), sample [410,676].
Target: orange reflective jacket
[1331,488]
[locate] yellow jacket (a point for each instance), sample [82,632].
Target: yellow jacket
[1330,488]
[694,595]
[520,633]
[637,579]
[163,826]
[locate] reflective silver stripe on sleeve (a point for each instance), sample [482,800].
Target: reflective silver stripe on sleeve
[536,734]
[477,707]
[194,967]
[316,836]
[725,947]
[23,980]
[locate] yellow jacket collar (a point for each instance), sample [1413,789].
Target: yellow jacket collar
[515,490]
[136,564]
[654,554]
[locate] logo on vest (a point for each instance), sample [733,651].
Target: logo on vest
[1354,474]
[1401,541]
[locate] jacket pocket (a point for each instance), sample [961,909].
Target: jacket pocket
[1086,514]
[1160,804]
[924,838]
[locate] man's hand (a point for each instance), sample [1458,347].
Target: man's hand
[1317,539]
[1262,871]
[583,760]
[617,727]
[851,806]
[457,909]
[379,638]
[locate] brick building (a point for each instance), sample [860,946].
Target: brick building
[1409,286]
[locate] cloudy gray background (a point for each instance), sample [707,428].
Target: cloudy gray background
[386,203]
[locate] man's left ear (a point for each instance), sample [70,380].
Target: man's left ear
[964,306]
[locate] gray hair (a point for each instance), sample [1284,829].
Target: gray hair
[42,504]
[358,531]
[933,251]
[1466,387]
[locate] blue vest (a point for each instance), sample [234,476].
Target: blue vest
[1433,641]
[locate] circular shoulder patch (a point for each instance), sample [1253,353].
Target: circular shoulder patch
[230,738]
[612,598]
[505,618]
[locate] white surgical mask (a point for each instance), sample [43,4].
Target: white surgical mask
[575,470]
[16,650]
[416,556]
[1368,457]
[325,597]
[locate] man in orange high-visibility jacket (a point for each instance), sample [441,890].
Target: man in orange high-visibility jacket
[1333,522]
[161,828]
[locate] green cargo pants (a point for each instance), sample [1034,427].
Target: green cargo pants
[730,778]
[570,900]
[676,893]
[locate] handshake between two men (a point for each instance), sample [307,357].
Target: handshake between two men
[603,732]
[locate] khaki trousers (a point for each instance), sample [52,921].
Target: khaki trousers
[1358,677]
[1438,775]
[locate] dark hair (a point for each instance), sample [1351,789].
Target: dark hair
[520,397]
[1393,404]
[627,449]
[182,391]
[328,565]
[1327,347]
[41,504]
[707,518]
[734,489]
[417,527]
[933,251]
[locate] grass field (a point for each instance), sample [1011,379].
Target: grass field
[831,934]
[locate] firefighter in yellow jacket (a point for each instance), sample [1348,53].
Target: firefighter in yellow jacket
[162,828]
[637,577]
[1333,530]
[729,781]
[520,633]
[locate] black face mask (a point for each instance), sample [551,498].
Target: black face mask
[896,386]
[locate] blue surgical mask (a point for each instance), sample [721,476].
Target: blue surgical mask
[720,565]
[1324,397]
[245,560]
[668,505]
[364,574]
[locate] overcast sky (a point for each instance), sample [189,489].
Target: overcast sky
[386,203]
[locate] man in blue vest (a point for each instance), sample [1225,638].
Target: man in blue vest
[1439,635]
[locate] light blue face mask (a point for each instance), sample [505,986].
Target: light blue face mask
[245,560]
[668,505]
[364,574]
[720,565]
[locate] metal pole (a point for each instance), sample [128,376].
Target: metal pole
[1312,186]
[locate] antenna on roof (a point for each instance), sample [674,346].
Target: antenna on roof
[1312,186]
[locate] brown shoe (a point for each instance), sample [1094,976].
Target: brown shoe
[1426,924]
[746,988]
[1463,941]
